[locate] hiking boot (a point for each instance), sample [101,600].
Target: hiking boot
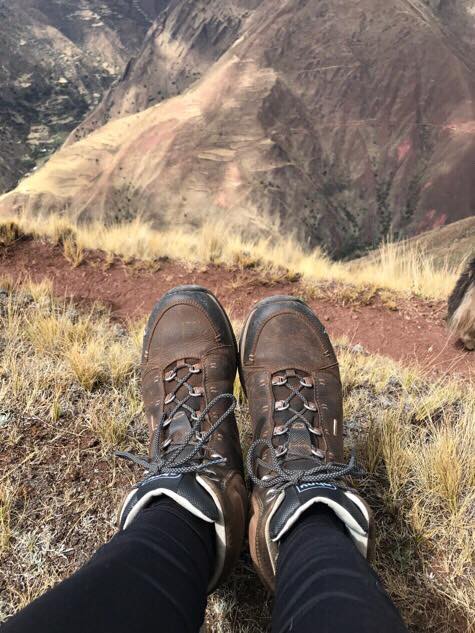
[188,369]
[290,375]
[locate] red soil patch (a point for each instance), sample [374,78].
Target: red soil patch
[414,333]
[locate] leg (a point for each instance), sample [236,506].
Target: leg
[155,574]
[325,585]
[306,524]
[152,576]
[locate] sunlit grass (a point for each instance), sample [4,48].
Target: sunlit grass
[6,500]
[397,267]
[73,251]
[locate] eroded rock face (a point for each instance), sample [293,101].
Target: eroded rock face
[339,122]
[57,58]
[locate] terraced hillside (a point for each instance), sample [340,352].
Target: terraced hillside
[56,59]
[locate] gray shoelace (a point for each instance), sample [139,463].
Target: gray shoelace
[284,477]
[295,393]
[179,459]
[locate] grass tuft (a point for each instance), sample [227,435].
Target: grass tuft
[6,500]
[10,232]
[86,363]
[73,251]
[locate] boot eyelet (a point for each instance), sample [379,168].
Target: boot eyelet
[278,381]
[310,406]
[306,382]
[195,369]
[281,451]
[166,423]
[196,392]
[166,443]
[281,405]
[170,375]
[170,398]
[315,431]
[316,452]
[194,417]
[280,430]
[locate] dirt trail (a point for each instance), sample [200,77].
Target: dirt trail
[414,333]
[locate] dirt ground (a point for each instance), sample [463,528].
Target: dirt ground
[409,330]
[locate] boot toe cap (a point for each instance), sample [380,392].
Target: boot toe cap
[284,332]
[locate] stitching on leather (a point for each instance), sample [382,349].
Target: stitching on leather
[190,303]
[260,531]
[302,318]
[308,370]
[321,417]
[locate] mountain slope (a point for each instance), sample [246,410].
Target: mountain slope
[449,246]
[57,58]
[185,40]
[338,123]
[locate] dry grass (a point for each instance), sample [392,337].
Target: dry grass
[420,442]
[397,267]
[6,499]
[69,396]
[9,233]
[73,251]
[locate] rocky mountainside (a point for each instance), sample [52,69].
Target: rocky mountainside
[56,59]
[339,122]
[187,38]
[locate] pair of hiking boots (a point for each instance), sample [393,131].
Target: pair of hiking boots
[290,375]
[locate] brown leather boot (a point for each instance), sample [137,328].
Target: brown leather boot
[290,374]
[188,370]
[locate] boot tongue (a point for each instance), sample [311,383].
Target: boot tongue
[299,447]
[180,429]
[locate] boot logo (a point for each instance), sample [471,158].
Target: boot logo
[310,486]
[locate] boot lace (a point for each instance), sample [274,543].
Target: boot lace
[279,477]
[181,458]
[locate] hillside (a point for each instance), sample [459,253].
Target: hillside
[445,246]
[57,59]
[453,244]
[338,124]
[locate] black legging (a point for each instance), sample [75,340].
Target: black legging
[153,577]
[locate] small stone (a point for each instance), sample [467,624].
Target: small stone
[4,417]
[384,402]
[394,382]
